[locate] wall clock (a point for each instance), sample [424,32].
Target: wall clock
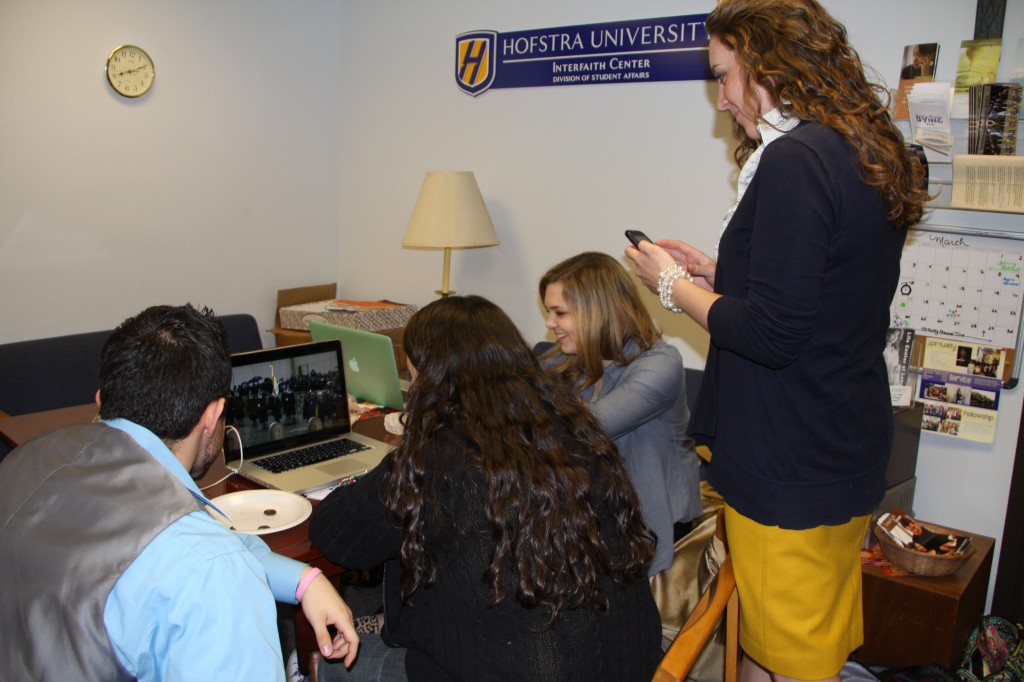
[130,71]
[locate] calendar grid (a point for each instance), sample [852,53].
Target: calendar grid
[949,288]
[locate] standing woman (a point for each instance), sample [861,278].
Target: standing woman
[795,400]
[513,542]
[609,349]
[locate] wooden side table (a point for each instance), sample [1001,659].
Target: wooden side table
[917,620]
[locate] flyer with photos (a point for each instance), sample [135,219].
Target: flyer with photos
[959,387]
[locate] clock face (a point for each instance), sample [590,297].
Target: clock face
[130,71]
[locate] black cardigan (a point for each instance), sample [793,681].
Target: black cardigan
[450,630]
[795,401]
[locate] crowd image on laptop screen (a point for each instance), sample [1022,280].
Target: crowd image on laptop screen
[284,398]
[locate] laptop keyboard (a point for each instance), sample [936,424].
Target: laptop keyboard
[314,454]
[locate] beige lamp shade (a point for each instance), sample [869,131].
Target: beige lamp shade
[449,214]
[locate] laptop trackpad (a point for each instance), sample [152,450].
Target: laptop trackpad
[346,466]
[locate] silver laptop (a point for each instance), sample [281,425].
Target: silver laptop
[290,406]
[371,373]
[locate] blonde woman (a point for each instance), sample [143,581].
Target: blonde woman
[609,349]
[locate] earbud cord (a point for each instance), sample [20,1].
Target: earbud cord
[241,459]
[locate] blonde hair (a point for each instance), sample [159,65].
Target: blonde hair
[607,314]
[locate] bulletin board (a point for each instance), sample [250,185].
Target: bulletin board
[962,283]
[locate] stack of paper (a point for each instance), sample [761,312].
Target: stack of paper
[347,306]
[929,116]
[994,115]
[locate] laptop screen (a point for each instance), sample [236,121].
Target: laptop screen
[285,397]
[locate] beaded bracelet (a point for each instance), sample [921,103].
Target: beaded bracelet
[667,281]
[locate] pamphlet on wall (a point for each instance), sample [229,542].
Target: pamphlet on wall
[959,387]
[899,344]
[994,116]
[978,63]
[928,104]
[918,66]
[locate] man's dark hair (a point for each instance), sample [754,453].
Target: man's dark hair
[162,367]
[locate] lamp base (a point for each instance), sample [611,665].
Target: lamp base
[444,294]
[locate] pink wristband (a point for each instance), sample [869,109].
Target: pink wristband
[304,583]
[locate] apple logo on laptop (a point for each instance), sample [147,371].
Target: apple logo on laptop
[353,364]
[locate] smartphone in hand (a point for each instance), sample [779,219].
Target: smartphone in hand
[636,236]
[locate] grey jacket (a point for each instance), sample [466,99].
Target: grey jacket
[77,506]
[642,406]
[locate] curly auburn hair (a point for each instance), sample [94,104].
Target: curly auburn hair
[801,56]
[482,408]
[607,313]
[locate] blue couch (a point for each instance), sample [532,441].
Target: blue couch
[62,371]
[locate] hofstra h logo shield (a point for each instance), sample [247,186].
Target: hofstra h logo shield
[474,61]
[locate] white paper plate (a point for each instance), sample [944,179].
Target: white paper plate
[261,511]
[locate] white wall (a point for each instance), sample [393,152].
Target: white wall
[563,169]
[567,169]
[218,187]
[284,143]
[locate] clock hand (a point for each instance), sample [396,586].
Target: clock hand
[137,68]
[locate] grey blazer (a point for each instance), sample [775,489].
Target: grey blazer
[642,406]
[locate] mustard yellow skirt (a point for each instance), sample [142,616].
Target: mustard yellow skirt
[800,594]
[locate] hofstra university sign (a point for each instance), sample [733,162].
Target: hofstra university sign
[665,49]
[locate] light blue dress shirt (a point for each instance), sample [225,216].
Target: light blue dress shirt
[198,601]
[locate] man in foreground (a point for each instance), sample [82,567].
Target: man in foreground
[113,568]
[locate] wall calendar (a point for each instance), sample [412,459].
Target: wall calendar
[960,286]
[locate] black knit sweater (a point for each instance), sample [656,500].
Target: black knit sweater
[449,629]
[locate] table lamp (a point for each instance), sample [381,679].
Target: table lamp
[449,214]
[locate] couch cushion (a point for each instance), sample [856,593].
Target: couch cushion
[61,371]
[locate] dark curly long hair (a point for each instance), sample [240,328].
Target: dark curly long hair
[482,407]
[801,55]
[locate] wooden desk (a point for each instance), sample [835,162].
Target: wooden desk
[291,542]
[22,428]
[917,620]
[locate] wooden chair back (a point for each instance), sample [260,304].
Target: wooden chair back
[719,600]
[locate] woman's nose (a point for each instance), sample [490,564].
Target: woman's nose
[720,102]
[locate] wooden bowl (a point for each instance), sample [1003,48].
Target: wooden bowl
[919,563]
